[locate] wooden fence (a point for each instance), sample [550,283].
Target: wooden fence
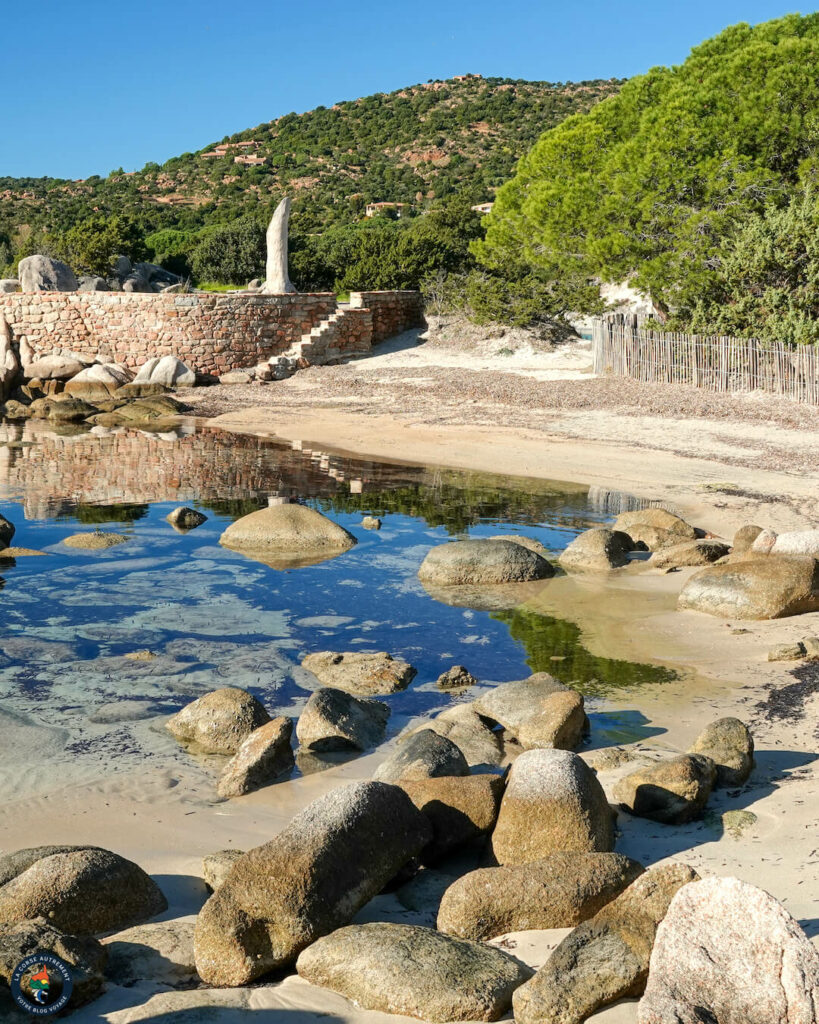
[622,347]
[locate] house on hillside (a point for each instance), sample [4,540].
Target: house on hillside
[373,209]
[483,207]
[249,161]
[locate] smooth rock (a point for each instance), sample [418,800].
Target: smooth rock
[728,952]
[52,368]
[470,562]
[657,518]
[559,891]
[82,891]
[44,274]
[216,867]
[99,381]
[793,542]
[418,972]
[263,757]
[333,719]
[763,588]
[371,523]
[673,791]
[597,550]
[526,542]
[459,810]
[729,744]
[219,722]
[291,534]
[689,552]
[471,733]
[605,958]
[538,711]
[744,538]
[91,283]
[184,518]
[160,953]
[455,678]
[553,802]
[311,879]
[167,371]
[423,755]
[97,541]
[360,672]
[84,955]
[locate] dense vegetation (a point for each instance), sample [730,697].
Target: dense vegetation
[441,146]
[698,181]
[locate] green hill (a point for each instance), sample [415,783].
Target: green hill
[416,146]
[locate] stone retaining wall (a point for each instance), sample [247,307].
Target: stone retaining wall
[393,312]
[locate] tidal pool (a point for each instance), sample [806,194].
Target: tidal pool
[211,617]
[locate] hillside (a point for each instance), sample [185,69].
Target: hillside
[414,146]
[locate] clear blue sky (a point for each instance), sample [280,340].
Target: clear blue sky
[91,86]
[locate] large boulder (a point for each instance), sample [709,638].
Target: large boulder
[729,744]
[689,552]
[423,755]
[168,371]
[219,722]
[52,367]
[597,550]
[92,283]
[744,538]
[553,802]
[83,891]
[633,524]
[15,863]
[263,757]
[361,672]
[160,953]
[312,878]
[482,562]
[44,274]
[287,535]
[470,732]
[335,720]
[184,518]
[216,866]
[538,711]
[156,275]
[98,382]
[673,791]
[459,809]
[794,542]
[768,587]
[605,958]
[559,891]
[418,972]
[84,955]
[728,952]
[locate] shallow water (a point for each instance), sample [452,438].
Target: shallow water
[213,617]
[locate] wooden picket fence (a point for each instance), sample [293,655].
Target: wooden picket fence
[622,347]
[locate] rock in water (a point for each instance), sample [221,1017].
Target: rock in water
[459,810]
[654,518]
[85,956]
[553,802]
[769,587]
[423,755]
[405,969]
[362,672]
[538,712]
[730,953]
[7,531]
[287,535]
[559,891]
[455,678]
[673,791]
[216,866]
[335,720]
[605,958]
[183,518]
[312,878]
[474,562]
[83,891]
[597,550]
[689,552]
[263,757]
[97,541]
[43,274]
[729,744]
[219,722]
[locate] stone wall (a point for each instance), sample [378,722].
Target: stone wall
[210,332]
[393,312]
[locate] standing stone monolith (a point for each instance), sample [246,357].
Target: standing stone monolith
[277,279]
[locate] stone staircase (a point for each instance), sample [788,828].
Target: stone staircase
[344,333]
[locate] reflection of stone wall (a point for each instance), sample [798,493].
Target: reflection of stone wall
[57,472]
[392,312]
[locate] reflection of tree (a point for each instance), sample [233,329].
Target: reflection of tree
[457,506]
[545,638]
[107,513]
[234,508]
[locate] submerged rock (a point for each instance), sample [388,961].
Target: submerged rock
[423,755]
[729,952]
[729,744]
[84,890]
[287,535]
[311,879]
[553,802]
[97,541]
[455,678]
[263,757]
[478,562]
[85,956]
[184,518]
[360,672]
[597,550]
[673,791]
[559,891]
[333,719]
[767,587]
[406,969]
[219,722]
[605,958]
[459,810]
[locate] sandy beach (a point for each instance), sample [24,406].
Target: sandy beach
[539,417]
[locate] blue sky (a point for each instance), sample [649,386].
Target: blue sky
[93,86]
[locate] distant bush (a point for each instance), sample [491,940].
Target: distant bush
[232,253]
[92,245]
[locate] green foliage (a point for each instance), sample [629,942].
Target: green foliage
[172,249]
[661,180]
[234,253]
[92,245]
